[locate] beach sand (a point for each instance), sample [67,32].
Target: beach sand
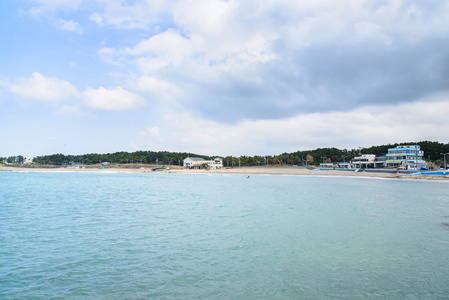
[287,170]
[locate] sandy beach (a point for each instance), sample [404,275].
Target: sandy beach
[287,170]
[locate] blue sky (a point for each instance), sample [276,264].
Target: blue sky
[221,77]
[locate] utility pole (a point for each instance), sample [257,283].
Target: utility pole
[444,167]
[416,160]
[323,157]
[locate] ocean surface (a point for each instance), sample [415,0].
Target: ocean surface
[215,236]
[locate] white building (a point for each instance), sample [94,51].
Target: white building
[201,163]
[380,162]
[344,165]
[327,165]
[364,161]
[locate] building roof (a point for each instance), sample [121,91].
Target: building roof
[406,147]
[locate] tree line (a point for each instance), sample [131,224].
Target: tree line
[432,152]
[142,157]
[19,159]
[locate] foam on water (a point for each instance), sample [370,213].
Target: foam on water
[184,236]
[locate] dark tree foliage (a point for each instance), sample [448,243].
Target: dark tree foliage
[431,150]
[434,149]
[320,154]
[144,157]
[11,159]
[20,159]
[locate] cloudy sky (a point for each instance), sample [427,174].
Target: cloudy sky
[237,77]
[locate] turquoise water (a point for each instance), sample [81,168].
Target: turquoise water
[195,236]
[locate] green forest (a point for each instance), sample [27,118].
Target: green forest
[432,153]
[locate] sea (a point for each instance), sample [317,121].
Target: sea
[102,235]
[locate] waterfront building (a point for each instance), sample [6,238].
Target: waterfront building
[344,165]
[327,165]
[201,163]
[364,161]
[406,156]
[380,162]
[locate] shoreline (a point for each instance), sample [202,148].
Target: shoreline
[286,170]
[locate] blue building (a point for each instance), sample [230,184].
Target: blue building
[407,156]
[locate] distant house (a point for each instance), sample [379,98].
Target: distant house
[344,165]
[327,165]
[201,163]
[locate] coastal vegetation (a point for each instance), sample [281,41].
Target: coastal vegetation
[432,152]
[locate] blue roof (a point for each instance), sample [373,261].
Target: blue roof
[406,147]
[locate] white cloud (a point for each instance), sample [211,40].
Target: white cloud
[96,18]
[154,131]
[156,88]
[365,126]
[107,55]
[44,8]
[164,49]
[264,76]
[134,147]
[45,89]
[169,44]
[279,58]
[71,26]
[59,4]
[135,15]
[49,10]
[72,110]
[112,99]
[207,17]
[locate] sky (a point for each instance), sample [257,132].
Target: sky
[236,77]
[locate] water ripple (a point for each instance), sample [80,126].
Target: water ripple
[172,236]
